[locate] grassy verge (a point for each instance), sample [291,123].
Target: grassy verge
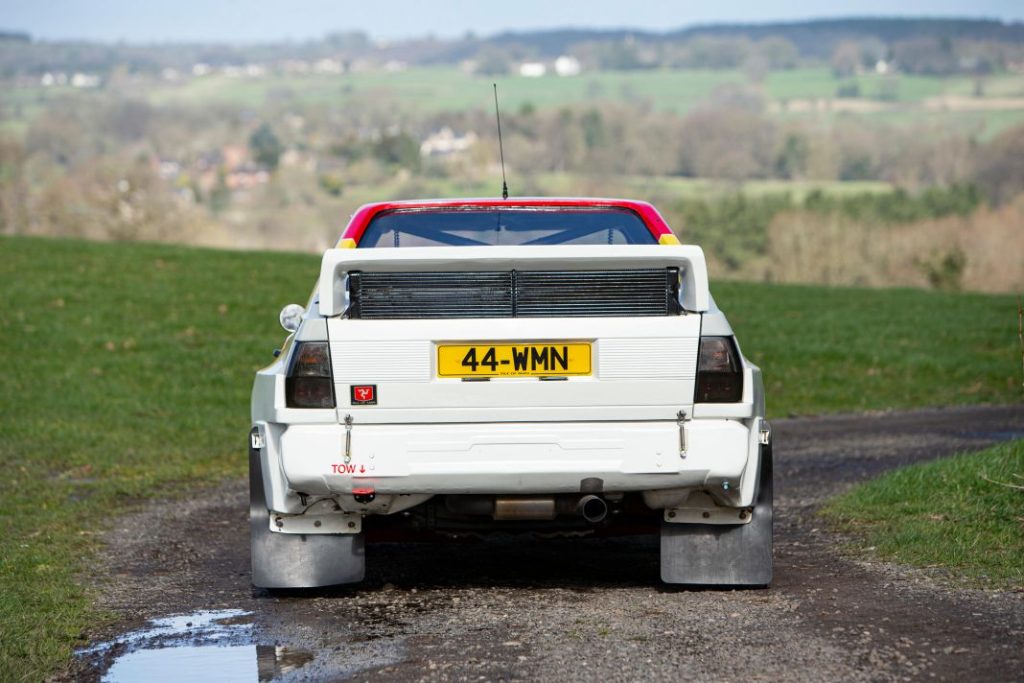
[127,376]
[965,514]
[129,367]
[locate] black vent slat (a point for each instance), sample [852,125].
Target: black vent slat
[591,293]
[512,294]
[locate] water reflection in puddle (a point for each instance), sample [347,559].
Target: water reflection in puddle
[205,646]
[189,663]
[206,663]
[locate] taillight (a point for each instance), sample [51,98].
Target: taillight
[719,373]
[310,383]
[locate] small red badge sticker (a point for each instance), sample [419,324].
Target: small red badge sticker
[364,395]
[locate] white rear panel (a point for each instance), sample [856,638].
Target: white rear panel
[638,364]
[642,368]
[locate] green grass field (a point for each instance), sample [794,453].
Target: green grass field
[828,349]
[962,514]
[982,125]
[568,184]
[450,89]
[130,365]
[574,184]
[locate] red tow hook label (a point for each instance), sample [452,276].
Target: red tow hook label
[347,468]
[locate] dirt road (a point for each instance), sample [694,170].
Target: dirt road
[529,609]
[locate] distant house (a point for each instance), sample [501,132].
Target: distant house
[76,80]
[567,65]
[234,157]
[328,66]
[245,176]
[532,69]
[232,165]
[295,66]
[51,79]
[80,80]
[446,143]
[169,169]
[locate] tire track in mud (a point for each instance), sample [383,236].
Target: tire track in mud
[513,608]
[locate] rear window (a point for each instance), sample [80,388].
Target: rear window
[504,227]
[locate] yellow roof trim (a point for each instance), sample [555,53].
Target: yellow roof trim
[346,243]
[668,239]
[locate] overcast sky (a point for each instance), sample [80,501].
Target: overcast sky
[142,21]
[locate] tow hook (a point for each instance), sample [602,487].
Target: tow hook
[348,439]
[681,419]
[364,495]
[765,436]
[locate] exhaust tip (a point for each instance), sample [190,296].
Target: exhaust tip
[593,508]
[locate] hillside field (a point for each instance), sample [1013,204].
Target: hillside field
[904,99]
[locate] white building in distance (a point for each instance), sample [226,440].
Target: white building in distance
[567,65]
[445,143]
[532,69]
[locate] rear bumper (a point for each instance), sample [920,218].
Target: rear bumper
[507,458]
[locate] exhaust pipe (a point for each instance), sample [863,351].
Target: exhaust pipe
[592,508]
[542,507]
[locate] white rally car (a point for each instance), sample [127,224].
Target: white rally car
[522,365]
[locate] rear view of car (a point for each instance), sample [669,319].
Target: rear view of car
[521,365]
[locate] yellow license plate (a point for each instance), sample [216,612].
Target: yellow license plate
[531,359]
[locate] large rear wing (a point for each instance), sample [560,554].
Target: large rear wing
[337,263]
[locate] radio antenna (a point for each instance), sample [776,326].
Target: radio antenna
[501,148]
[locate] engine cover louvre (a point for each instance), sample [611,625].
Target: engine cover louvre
[514,294]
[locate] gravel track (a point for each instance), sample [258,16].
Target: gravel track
[513,608]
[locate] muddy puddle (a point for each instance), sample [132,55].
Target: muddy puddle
[204,646]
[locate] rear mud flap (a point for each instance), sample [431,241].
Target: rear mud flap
[721,555]
[297,560]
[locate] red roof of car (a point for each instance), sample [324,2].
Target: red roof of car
[366,213]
